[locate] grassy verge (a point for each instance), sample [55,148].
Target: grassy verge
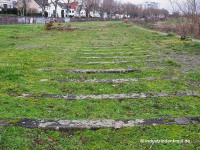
[129,138]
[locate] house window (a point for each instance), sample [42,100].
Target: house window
[5,6]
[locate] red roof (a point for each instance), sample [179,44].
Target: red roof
[72,5]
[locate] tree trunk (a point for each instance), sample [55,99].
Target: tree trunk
[43,14]
[56,15]
[87,14]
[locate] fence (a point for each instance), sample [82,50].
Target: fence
[42,20]
[29,20]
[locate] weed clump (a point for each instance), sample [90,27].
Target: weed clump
[172,63]
[48,26]
[171,34]
[14,121]
[53,25]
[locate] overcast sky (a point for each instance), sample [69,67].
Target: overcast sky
[163,3]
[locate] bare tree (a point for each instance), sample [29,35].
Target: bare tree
[88,5]
[190,22]
[31,11]
[189,8]
[132,10]
[101,10]
[22,7]
[68,7]
[164,12]
[118,9]
[55,3]
[80,7]
[108,7]
[173,6]
[95,6]
[42,4]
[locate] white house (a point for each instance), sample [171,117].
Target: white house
[5,4]
[63,9]
[95,14]
[50,9]
[82,13]
[73,9]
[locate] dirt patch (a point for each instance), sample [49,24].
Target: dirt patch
[189,62]
[100,25]
[163,25]
[58,26]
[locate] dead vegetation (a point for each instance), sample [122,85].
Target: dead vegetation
[54,25]
[182,28]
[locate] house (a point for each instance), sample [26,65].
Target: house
[79,11]
[35,6]
[31,6]
[14,4]
[73,9]
[5,4]
[95,14]
[65,10]
[61,9]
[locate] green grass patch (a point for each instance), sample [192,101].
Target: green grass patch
[172,63]
[44,108]
[128,138]
[194,76]
[171,34]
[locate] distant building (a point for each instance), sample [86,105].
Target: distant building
[14,4]
[72,12]
[31,6]
[147,5]
[50,9]
[5,4]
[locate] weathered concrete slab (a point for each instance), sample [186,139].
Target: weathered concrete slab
[44,80]
[194,83]
[104,70]
[101,70]
[4,122]
[102,52]
[116,80]
[109,96]
[109,47]
[97,124]
[182,121]
[195,119]
[113,57]
[115,62]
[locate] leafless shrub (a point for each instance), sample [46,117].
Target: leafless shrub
[190,12]
[48,26]
[54,25]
